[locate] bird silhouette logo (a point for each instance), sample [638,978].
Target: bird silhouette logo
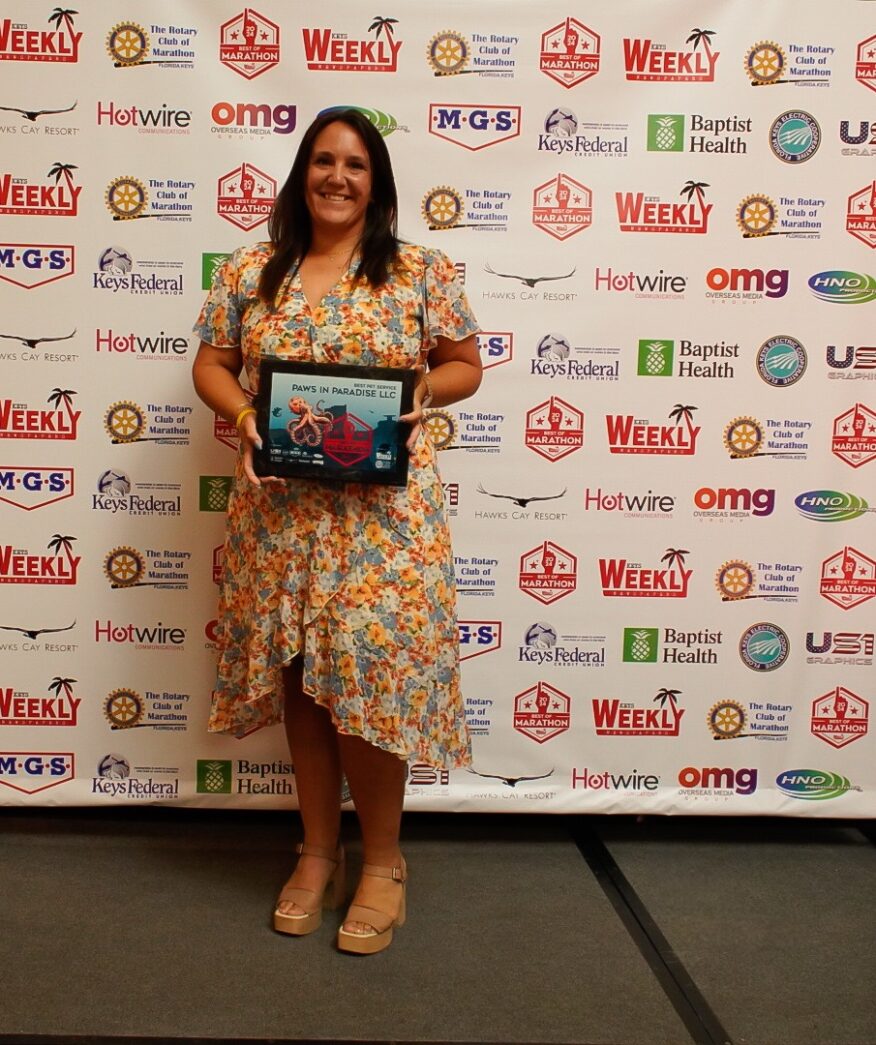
[511,781]
[522,502]
[528,281]
[34,633]
[32,342]
[34,114]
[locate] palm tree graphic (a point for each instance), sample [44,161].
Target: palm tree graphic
[64,395]
[674,557]
[667,694]
[60,541]
[382,25]
[680,411]
[689,188]
[65,15]
[57,684]
[58,170]
[701,36]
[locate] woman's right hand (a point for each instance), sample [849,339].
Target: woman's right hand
[250,440]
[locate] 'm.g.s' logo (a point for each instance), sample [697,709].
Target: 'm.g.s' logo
[474,126]
[30,265]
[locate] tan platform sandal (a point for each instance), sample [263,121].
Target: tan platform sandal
[380,922]
[311,902]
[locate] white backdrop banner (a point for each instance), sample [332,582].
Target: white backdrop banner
[661,497]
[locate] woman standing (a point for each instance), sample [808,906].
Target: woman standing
[337,611]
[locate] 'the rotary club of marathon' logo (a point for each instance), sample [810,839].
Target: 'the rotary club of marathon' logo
[854,436]
[766,64]
[554,429]
[795,136]
[548,572]
[30,487]
[541,712]
[848,578]
[731,720]
[781,361]
[246,196]
[474,127]
[745,436]
[764,647]
[130,46]
[637,212]
[570,52]
[127,422]
[839,717]
[758,215]
[127,199]
[861,214]
[19,42]
[22,421]
[34,771]
[865,65]
[449,53]
[562,206]
[444,207]
[128,567]
[735,580]
[125,708]
[55,199]
[30,265]
[326,50]
[249,43]
[621,578]
[645,60]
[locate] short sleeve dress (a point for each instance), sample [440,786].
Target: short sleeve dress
[356,578]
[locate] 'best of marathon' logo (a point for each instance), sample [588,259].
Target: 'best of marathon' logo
[865,65]
[562,206]
[245,196]
[20,566]
[548,572]
[57,198]
[19,708]
[637,212]
[249,43]
[623,579]
[554,429]
[326,50]
[645,60]
[19,42]
[616,718]
[541,712]
[22,421]
[848,578]
[839,717]
[631,435]
[570,52]
[854,436]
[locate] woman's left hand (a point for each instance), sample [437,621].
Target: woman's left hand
[415,417]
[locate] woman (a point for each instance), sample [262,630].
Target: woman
[337,607]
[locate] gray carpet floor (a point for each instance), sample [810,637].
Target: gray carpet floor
[156,923]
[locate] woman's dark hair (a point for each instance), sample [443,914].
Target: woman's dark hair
[289,226]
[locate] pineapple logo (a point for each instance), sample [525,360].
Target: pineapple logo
[213,776]
[210,265]
[655,358]
[665,132]
[214,492]
[640,645]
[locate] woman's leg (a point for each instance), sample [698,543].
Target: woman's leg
[377,784]
[313,745]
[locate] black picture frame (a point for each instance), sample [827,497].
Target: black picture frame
[345,427]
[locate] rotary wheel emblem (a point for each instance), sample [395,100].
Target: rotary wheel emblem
[124,567]
[440,427]
[765,63]
[123,708]
[734,580]
[743,436]
[448,53]
[726,719]
[756,215]
[125,422]
[126,198]
[127,43]
[442,207]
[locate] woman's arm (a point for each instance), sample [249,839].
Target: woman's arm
[454,373]
[215,375]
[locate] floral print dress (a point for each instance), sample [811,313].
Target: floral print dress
[357,578]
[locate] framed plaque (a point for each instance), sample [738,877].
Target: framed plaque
[327,421]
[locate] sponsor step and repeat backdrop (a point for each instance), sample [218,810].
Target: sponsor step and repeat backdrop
[661,497]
